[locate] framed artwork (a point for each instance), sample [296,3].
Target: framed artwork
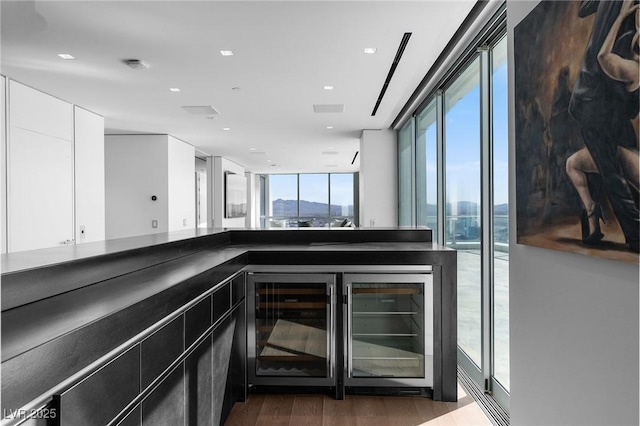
[576,122]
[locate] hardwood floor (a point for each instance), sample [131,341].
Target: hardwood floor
[355,410]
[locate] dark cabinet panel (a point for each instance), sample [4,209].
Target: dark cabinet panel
[134,418]
[101,396]
[237,377]
[222,342]
[160,349]
[221,301]
[197,320]
[165,405]
[237,289]
[199,384]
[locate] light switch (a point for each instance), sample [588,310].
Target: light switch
[154,223]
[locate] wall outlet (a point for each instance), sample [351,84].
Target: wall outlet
[82,233]
[154,223]
[184,222]
[372,223]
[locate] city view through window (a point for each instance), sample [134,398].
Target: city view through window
[319,200]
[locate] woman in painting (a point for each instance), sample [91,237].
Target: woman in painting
[605,99]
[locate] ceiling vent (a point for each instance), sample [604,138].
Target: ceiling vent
[392,69]
[136,64]
[329,108]
[201,110]
[329,152]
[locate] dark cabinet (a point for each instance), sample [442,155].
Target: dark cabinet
[160,349]
[236,389]
[199,384]
[100,397]
[221,301]
[189,371]
[166,404]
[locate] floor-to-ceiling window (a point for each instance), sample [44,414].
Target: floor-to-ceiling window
[405,173]
[426,167]
[462,201]
[319,200]
[458,186]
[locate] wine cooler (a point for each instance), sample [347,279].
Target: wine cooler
[388,330]
[290,340]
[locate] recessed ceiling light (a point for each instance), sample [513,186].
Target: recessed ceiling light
[252,149]
[268,161]
[370,50]
[174,89]
[328,87]
[226,128]
[226,52]
[329,127]
[66,56]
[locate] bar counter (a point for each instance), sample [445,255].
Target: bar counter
[65,307]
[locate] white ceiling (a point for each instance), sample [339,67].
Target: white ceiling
[284,54]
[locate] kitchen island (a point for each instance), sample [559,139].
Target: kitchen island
[69,313]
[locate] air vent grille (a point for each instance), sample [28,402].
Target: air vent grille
[201,110]
[394,65]
[328,108]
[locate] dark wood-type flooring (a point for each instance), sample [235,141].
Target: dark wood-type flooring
[312,410]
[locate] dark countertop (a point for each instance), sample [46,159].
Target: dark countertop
[24,260]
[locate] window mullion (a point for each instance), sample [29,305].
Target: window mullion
[440,166]
[486,213]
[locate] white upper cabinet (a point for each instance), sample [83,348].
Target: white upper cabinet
[54,172]
[38,112]
[40,203]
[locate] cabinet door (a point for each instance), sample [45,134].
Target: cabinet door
[166,404]
[39,170]
[222,343]
[101,396]
[199,384]
[237,377]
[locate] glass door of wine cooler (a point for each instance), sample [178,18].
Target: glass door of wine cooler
[290,337]
[389,330]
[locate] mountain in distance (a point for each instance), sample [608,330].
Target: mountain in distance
[289,208]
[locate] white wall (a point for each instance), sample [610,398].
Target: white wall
[573,324]
[40,182]
[136,168]
[89,176]
[181,185]
[202,193]
[253,201]
[220,166]
[378,178]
